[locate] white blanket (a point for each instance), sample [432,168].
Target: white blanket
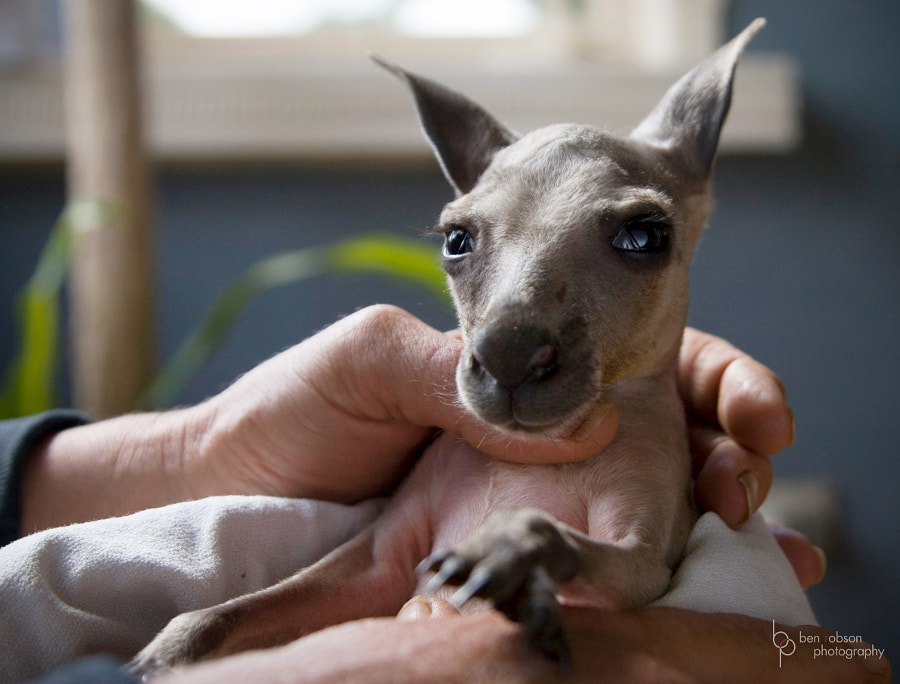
[109,586]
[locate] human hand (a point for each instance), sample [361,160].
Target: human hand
[640,645]
[737,416]
[341,415]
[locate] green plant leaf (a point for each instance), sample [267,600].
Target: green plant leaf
[394,257]
[29,382]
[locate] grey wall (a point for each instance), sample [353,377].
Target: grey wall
[799,267]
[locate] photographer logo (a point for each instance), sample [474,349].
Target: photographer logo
[785,645]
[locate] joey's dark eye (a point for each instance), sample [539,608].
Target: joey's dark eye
[458,242]
[642,236]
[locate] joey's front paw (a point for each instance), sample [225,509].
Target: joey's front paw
[515,560]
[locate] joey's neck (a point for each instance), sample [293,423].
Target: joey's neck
[654,393]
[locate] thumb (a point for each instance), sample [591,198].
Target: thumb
[425,607]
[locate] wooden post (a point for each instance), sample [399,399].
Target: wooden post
[110,288]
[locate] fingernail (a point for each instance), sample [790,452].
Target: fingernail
[750,483]
[823,563]
[417,608]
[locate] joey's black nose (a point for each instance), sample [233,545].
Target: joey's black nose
[515,354]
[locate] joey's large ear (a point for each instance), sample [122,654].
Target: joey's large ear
[689,118]
[462,134]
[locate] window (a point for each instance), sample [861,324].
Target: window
[431,18]
[291,79]
[649,33]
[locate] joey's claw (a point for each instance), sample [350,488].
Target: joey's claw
[451,569]
[480,578]
[433,561]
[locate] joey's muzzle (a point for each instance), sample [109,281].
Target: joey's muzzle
[525,375]
[515,354]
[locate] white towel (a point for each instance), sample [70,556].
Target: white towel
[109,586]
[745,572]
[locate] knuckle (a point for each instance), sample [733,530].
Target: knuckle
[383,318]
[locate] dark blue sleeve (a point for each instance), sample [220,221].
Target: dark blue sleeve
[17,438]
[92,670]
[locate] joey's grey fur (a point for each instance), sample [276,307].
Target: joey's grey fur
[567,252]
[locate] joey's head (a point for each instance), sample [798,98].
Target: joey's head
[567,249]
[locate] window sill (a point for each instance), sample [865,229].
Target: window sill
[325,111]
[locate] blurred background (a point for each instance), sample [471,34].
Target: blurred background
[271,131]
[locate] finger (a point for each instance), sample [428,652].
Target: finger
[753,408]
[583,442]
[730,480]
[482,647]
[808,561]
[722,385]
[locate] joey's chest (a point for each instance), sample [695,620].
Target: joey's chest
[465,487]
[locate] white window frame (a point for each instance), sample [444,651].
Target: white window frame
[320,98]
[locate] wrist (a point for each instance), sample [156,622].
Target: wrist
[18,440]
[227,437]
[201,434]
[110,468]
